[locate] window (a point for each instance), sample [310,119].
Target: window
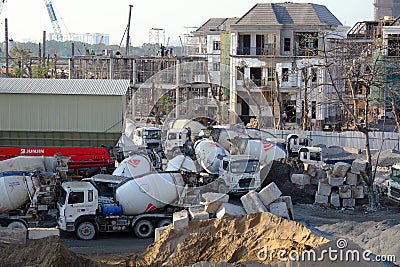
[315,156]
[216,66]
[90,195]
[286,44]
[216,45]
[271,74]
[76,197]
[314,75]
[313,109]
[171,136]
[239,73]
[285,74]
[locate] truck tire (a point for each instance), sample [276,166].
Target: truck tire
[164,222]
[85,231]
[143,229]
[16,225]
[222,188]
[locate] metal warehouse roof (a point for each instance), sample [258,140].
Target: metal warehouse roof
[288,13]
[63,86]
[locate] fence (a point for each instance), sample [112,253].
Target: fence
[347,139]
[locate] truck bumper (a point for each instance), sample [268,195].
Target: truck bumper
[394,191]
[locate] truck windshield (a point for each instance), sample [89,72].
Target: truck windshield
[63,197]
[152,134]
[395,174]
[244,166]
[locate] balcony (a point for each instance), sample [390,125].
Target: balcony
[255,51]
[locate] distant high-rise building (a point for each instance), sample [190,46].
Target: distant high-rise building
[384,8]
[89,38]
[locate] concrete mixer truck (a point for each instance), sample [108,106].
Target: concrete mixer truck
[139,205]
[27,186]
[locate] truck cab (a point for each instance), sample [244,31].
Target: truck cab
[394,183]
[294,142]
[149,137]
[240,173]
[77,206]
[311,155]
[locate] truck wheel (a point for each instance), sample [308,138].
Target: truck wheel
[164,222]
[85,231]
[143,229]
[222,188]
[16,225]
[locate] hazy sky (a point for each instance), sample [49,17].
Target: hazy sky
[27,19]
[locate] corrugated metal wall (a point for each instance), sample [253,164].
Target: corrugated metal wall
[64,113]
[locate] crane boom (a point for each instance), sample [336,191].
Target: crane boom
[53,19]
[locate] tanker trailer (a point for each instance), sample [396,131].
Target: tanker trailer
[140,204]
[26,190]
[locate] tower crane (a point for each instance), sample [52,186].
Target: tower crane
[53,19]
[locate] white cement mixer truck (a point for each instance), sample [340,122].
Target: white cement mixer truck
[140,205]
[27,186]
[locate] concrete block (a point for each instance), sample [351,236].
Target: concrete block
[349,202]
[335,180]
[230,209]
[321,199]
[198,213]
[345,191]
[335,200]
[321,174]
[252,203]
[340,169]
[289,205]
[12,236]
[269,194]
[180,219]
[312,170]
[359,166]
[279,209]
[352,178]
[358,191]
[300,179]
[210,197]
[213,207]
[39,233]
[324,189]
[158,231]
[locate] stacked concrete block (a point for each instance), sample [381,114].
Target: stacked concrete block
[352,178]
[324,188]
[269,194]
[289,205]
[359,166]
[336,180]
[198,213]
[345,191]
[358,191]
[320,175]
[252,203]
[230,209]
[210,197]
[180,219]
[335,200]
[300,179]
[279,209]
[346,182]
[312,170]
[349,202]
[340,169]
[158,231]
[213,207]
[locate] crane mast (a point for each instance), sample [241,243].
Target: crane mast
[53,19]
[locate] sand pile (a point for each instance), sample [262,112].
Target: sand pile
[280,173]
[230,239]
[381,238]
[42,252]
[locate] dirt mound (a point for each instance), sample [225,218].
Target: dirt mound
[230,239]
[280,173]
[386,158]
[42,252]
[381,238]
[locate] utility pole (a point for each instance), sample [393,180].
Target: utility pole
[44,48]
[128,30]
[6,39]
